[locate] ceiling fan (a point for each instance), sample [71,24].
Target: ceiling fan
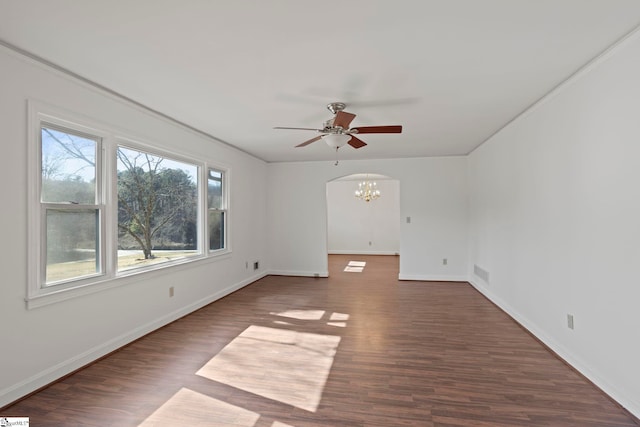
[336,131]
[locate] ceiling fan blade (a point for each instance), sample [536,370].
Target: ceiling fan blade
[379,129]
[317,130]
[343,119]
[356,143]
[309,141]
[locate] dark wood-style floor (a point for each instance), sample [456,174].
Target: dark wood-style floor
[357,349]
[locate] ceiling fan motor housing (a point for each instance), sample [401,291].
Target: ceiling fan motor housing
[330,128]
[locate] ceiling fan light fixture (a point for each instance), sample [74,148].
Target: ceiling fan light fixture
[336,140]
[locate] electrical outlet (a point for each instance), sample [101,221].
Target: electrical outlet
[570,321]
[256,265]
[444,261]
[170,291]
[369,243]
[408,220]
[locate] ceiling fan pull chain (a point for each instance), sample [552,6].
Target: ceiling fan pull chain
[336,163]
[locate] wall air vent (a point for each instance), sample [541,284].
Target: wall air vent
[481,273]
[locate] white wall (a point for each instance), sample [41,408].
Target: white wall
[359,227]
[42,344]
[432,192]
[555,220]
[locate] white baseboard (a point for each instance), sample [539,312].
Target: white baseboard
[349,252]
[626,402]
[433,278]
[50,375]
[298,273]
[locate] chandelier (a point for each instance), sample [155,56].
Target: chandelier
[367,190]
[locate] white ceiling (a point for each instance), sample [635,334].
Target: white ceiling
[452,72]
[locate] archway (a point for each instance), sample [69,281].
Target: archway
[355,226]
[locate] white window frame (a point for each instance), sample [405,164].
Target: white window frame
[224,209]
[201,220]
[37,293]
[41,116]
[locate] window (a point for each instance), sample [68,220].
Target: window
[216,210]
[71,204]
[157,209]
[104,207]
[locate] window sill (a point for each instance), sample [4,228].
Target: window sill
[52,296]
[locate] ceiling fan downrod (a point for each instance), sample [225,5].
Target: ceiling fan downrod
[334,107]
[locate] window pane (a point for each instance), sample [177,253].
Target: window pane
[157,209]
[216,230]
[68,167]
[72,244]
[214,189]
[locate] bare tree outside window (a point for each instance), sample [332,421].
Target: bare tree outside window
[157,205]
[69,196]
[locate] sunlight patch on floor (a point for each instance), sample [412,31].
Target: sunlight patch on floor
[338,324]
[338,319]
[301,314]
[190,408]
[339,316]
[355,266]
[280,322]
[287,366]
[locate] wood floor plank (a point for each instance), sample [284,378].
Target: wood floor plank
[355,349]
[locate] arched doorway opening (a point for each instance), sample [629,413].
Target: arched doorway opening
[355,226]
